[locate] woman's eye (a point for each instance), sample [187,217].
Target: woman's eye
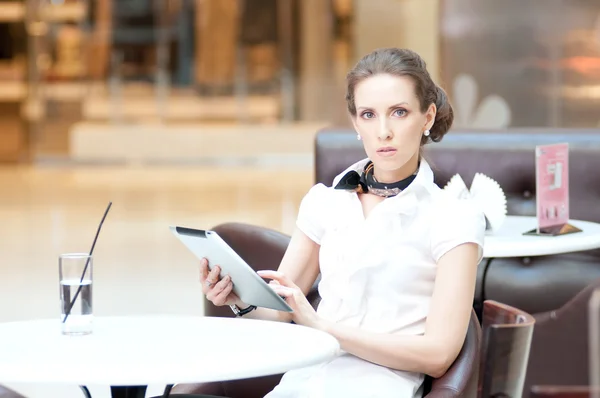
[400,112]
[368,115]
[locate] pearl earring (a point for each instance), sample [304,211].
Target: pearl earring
[426,133]
[358,137]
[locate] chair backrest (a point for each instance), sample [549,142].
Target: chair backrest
[507,333]
[560,347]
[507,156]
[551,391]
[461,377]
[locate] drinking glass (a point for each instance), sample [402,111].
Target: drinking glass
[75,278]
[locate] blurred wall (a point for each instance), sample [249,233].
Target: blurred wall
[412,24]
[316,69]
[522,64]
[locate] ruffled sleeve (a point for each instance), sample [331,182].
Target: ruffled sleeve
[456,222]
[312,213]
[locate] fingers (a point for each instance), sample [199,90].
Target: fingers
[213,276]
[217,288]
[203,270]
[277,276]
[283,291]
[221,298]
[216,291]
[209,278]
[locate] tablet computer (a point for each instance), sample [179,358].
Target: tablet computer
[247,284]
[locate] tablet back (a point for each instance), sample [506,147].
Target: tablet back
[247,284]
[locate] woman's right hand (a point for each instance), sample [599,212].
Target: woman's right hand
[219,292]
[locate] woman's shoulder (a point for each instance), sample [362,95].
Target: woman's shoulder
[324,195]
[318,190]
[455,221]
[444,205]
[317,193]
[318,209]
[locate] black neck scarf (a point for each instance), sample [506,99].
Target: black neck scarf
[366,182]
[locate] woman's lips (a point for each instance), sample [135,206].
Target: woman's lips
[387,151]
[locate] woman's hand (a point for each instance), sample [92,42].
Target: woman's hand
[304,313]
[219,292]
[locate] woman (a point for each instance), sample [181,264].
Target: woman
[397,256]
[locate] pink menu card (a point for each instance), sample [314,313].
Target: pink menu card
[552,189]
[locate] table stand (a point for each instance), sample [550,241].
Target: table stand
[128,392]
[556,230]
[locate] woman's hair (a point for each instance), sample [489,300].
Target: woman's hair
[403,62]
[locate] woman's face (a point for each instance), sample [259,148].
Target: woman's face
[391,124]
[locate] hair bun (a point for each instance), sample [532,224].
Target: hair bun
[444,116]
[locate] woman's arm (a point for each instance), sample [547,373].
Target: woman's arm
[300,263]
[446,327]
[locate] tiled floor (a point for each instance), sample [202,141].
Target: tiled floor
[139,267]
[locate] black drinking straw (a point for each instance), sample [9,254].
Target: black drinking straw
[68,312]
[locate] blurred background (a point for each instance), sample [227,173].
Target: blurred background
[199,112]
[84,80]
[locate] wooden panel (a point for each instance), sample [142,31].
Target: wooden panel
[99,44]
[11,12]
[316,61]
[12,134]
[217,25]
[191,142]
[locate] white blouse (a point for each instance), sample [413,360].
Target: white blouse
[378,274]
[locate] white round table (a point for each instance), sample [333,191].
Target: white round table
[128,353]
[509,240]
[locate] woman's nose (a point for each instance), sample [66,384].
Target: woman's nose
[384,130]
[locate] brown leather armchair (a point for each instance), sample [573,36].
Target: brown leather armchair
[263,248]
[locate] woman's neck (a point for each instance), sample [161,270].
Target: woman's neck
[390,176]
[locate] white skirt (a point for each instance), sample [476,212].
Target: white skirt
[349,377]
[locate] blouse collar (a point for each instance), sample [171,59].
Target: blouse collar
[424,179]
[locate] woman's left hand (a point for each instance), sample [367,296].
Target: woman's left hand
[304,313]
